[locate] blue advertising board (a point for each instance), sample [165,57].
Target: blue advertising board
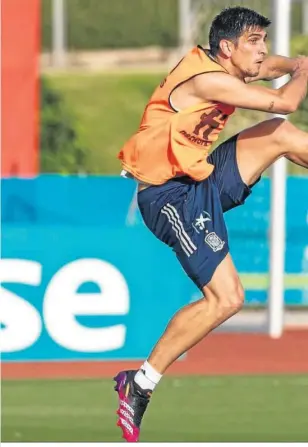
[83,278]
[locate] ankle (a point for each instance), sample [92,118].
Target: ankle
[147,377]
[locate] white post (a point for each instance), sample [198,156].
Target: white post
[305,16]
[58,34]
[185,25]
[281,39]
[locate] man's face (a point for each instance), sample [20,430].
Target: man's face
[249,52]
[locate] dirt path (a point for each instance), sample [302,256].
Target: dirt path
[219,354]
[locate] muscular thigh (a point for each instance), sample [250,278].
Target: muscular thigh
[258,147]
[233,191]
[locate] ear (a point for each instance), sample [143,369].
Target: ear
[225,47]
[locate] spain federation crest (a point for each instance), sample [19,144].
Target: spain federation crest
[214,241]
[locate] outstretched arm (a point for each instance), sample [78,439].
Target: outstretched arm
[224,88]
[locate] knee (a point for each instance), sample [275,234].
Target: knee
[233,298]
[282,134]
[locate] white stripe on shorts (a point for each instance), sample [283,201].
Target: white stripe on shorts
[186,243]
[187,250]
[181,225]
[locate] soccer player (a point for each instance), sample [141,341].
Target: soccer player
[184,191]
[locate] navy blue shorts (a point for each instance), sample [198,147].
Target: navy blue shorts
[188,215]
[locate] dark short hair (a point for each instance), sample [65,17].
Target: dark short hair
[231,23]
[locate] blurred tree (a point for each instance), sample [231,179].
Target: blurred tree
[60,149]
[99,24]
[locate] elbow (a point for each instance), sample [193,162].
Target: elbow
[292,108]
[288,108]
[286,104]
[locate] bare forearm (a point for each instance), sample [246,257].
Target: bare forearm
[276,66]
[296,89]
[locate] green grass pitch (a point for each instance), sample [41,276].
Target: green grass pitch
[241,408]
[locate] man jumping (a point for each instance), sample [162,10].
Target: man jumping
[181,185]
